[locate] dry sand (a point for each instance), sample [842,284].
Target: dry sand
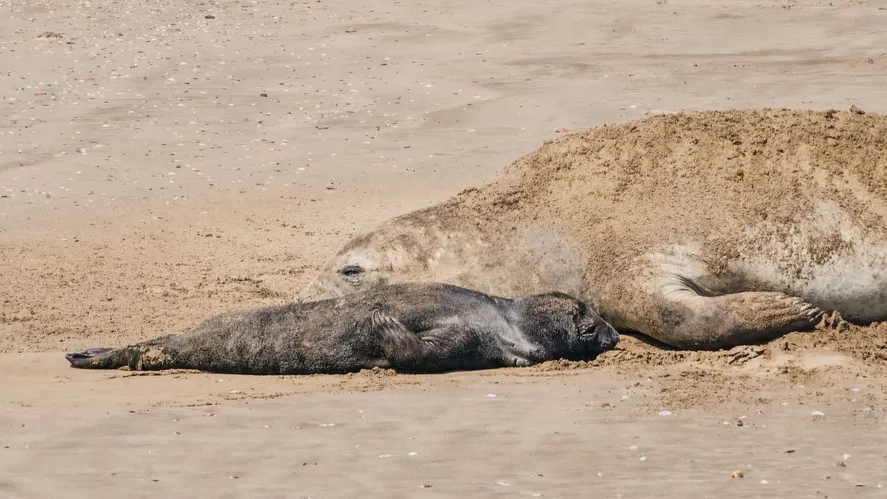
[158,165]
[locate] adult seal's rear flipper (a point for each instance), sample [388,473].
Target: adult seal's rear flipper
[98,358]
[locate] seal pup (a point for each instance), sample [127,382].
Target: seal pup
[421,328]
[665,227]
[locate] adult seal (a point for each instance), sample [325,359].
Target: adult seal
[703,230]
[420,328]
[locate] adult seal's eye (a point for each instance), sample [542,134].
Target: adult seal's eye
[352,271]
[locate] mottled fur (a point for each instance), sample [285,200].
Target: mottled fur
[409,327]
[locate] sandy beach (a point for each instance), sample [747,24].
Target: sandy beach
[161,162]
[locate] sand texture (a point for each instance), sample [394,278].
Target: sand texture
[161,162]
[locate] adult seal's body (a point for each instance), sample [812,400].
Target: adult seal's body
[408,327]
[702,230]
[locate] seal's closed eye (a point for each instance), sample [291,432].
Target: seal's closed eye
[352,271]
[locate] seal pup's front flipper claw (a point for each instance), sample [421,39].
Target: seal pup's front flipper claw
[393,334]
[441,349]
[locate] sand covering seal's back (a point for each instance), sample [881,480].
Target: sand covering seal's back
[701,175]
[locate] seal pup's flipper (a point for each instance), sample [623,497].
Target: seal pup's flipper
[98,358]
[441,349]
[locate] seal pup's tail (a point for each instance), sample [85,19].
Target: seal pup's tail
[99,358]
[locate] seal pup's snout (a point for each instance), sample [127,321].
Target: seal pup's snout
[607,335]
[598,335]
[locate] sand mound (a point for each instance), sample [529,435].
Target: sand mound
[698,175]
[756,158]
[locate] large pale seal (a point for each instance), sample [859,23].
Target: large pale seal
[703,230]
[408,327]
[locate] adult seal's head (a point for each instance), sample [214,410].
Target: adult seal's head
[420,246]
[444,243]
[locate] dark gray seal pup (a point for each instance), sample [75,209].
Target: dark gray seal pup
[409,327]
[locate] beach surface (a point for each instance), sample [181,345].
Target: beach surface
[162,162]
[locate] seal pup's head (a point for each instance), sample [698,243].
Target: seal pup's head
[563,326]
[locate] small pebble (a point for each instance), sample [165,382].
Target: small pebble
[817,413]
[764,482]
[737,474]
[665,413]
